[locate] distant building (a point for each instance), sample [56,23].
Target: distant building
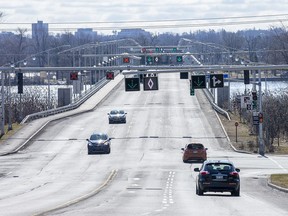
[39,30]
[6,34]
[86,33]
[133,33]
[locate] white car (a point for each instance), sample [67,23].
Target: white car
[117,116]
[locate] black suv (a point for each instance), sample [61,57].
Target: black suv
[218,176]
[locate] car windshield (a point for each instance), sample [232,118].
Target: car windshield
[98,137]
[121,112]
[195,146]
[218,167]
[114,112]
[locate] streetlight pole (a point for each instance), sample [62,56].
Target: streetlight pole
[2,114]
[9,98]
[48,64]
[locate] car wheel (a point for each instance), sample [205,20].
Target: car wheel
[236,192]
[197,191]
[200,191]
[185,161]
[108,151]
[89,153]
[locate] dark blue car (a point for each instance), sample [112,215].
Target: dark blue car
[99,143]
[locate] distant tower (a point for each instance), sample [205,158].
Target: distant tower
[39,30]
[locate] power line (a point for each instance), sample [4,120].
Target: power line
[191,25]
[151,21]
[159,24]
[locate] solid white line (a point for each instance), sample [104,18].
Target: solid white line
[279,165]
[81,198]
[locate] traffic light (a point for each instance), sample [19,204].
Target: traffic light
[192,92]
[246,77]
[254,95]
[254,105]
[20,82]
[184,75]
[260,117]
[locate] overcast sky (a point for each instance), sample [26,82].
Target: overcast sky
[199,14]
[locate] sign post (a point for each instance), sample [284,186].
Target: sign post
[236,125]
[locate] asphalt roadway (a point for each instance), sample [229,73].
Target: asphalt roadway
[18,140]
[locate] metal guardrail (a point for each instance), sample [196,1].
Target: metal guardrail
[91,92]
[69,107]
[214,105]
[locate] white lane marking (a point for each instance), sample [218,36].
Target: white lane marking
[279,165]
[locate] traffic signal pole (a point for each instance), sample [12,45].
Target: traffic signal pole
[261,142]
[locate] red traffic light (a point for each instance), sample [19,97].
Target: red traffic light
[254,96]
[260,115]
[126,60]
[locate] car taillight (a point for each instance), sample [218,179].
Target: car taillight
[203,173]
[234,174]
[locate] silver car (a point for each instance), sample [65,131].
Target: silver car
[117,116]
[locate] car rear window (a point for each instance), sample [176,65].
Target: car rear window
[218,167]
[98,137]
[195,146]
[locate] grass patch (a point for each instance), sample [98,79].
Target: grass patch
[280,180]
[244,139]
[15,128]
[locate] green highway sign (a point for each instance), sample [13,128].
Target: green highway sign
[132,84]
[174,49]
[198,81]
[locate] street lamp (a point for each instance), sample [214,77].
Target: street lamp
[9,98]
[2,111]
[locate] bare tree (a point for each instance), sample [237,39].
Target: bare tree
[280,44]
